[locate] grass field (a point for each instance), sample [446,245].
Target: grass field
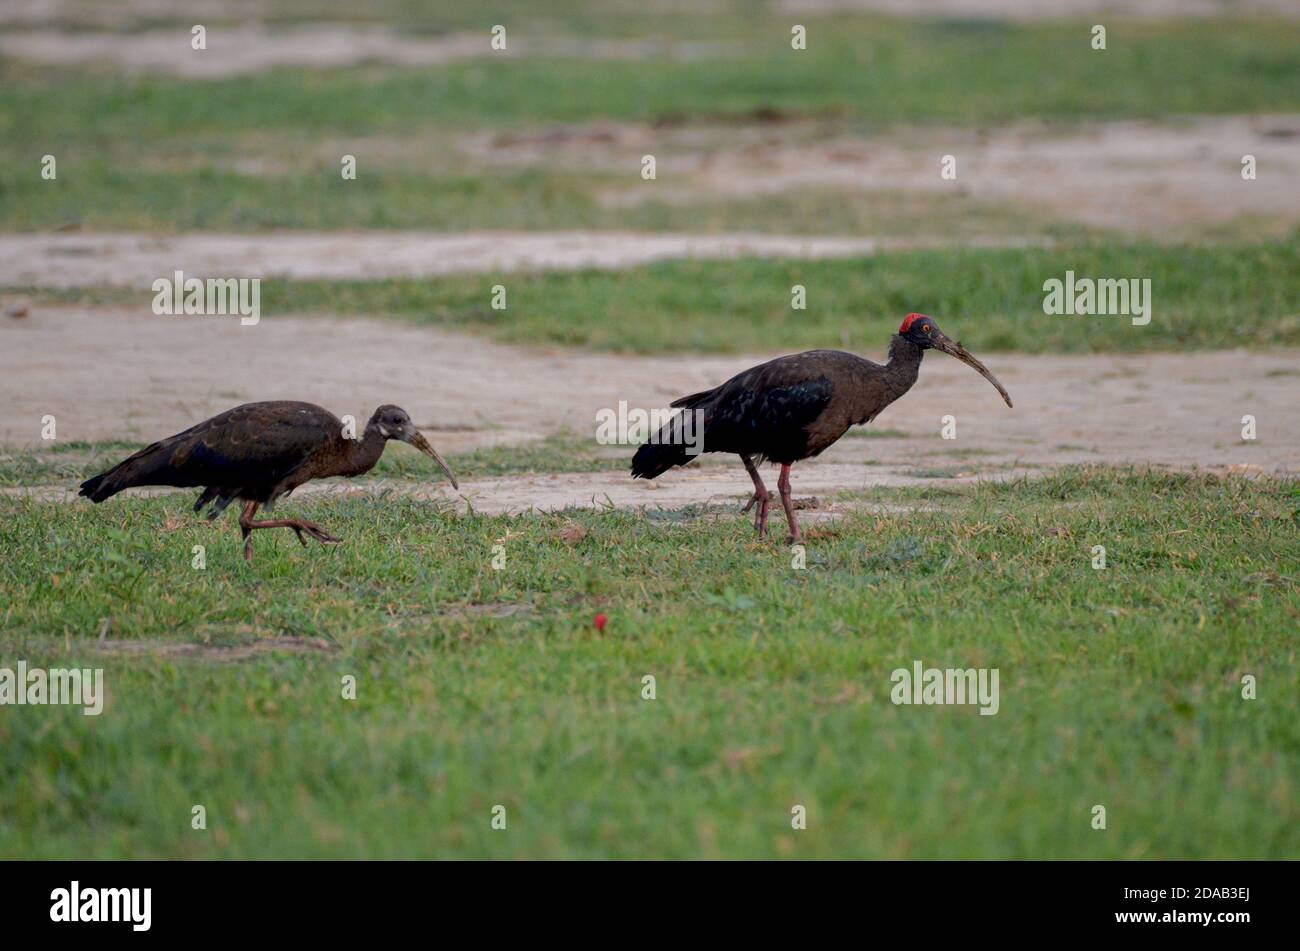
[165,153]
[68,463]
[482,685]
[478,687]
[1230,295]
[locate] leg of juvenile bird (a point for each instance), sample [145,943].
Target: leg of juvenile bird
[299,525]
[246,527]
[246,524]
[783,486]
[761,496]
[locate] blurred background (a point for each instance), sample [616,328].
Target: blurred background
[794,142]
[798,146]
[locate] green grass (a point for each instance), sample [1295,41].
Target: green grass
[69,463]
[874,69]
[1119,687]
[158,153]
[1203,297]
[559,17]
[103,195]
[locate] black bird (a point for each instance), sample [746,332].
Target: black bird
[259,452]
[793,407]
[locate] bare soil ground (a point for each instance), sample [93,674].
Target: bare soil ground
[136,260]
[110,13]
[1132,176]
[233,51]
[1048,9]
[1164,179]
[109,373]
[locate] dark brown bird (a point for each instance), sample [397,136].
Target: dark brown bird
[792,408]
[258,452]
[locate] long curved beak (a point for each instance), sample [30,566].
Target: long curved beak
[417,440]
[953,348]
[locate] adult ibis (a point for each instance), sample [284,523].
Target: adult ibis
[259,452]
[794,407]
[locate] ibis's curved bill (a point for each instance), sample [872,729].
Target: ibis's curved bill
[953,348]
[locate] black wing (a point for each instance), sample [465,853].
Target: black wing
[256,444]
[766,411]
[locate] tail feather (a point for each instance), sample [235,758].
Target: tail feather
[105,485]
[678,441]
[134,470]
[654,459]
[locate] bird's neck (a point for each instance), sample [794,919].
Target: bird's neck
[903,366]
[362,454]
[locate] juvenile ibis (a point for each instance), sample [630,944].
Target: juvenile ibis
[794,407]
[259,452]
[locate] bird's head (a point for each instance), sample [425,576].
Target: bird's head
[393,422]
[925,333]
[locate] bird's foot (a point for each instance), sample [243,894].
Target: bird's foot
[315,531]
[764,502]
[298,525]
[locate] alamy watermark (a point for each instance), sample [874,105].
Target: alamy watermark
[951,685]
[57,686]
[75,903]
[1105,297]
[180,295]
[630,427]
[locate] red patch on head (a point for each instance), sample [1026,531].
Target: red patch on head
[907,322]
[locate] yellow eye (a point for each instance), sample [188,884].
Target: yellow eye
[925,328]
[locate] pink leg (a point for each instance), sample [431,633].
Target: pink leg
[783,486]
[761,496]
[247,525]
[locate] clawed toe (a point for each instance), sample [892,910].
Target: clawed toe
[318,533]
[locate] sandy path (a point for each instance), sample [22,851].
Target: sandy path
[234,50]
[112,373]
[137,260]
[1145,177]
[711,484]
[239,50]
[1048,9]
[1133,176]
[110,13]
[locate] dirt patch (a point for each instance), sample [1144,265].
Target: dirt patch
[1131,176]
[137,260]
[701,487]
[111,13]
[107,374]
[239,50]
[219,653]
[1047,9]
[717,484]
[1158,178]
